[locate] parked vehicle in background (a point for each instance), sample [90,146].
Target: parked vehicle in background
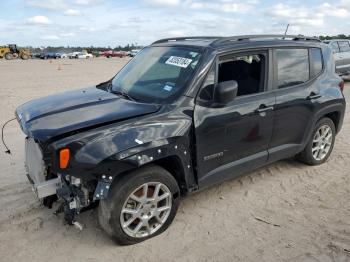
[83,55]
[50,55]
[111,53]
[10,52]
[36,55]
[341,50]
[62,55]
[183,115]
[73,55]
[134,52]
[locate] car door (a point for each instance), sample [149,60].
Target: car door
[297,97]
[234,138]
[343,56]
[338,59]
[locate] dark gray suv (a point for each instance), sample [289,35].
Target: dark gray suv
[183,115]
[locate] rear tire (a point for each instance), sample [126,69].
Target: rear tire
[8,56]
[25,57]
[129,221]
[321,143]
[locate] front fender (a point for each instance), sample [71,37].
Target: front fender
[114,149]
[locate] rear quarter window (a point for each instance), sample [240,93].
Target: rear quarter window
[344,46]
[316,61]
[292,67]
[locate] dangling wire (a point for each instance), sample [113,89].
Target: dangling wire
[2,135]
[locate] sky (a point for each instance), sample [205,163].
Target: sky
[119,22]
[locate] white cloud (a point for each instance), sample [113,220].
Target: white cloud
[38,20]
[50,37]
[313,16]
[67,34]
[165,2]
[227,6]
[53,5]
[87,29]
[334,10]
[72,12]
[87,2]
[301,16]
[221,6]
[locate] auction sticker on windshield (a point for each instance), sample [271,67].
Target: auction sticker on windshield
[178,61]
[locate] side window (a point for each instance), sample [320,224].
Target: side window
[292,66]
[344,46]
[247,70]
[316,61]
[335,47]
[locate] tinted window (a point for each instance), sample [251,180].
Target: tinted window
[293,67]
[344,46]
[316,61]
[247,70]
[335,47]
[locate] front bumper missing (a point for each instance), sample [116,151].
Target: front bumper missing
[46,188]
[36,171]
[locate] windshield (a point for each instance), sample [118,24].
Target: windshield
[157,74]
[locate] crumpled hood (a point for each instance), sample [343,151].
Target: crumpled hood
[60,114]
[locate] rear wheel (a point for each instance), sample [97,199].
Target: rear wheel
[25,57]
[8,56]
[320,146]
[140,205]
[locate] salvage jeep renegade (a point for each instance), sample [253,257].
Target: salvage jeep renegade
[184,114]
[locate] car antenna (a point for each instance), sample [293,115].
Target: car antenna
[285,32]
[8,151]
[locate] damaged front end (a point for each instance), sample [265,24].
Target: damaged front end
[72,194]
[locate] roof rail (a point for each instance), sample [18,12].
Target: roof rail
[249,37]
[188,38]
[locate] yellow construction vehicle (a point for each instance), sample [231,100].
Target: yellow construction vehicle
[11,52]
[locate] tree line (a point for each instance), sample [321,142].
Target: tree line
[327,37]
[89,49]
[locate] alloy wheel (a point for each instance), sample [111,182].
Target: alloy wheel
[146,209]
[322,142]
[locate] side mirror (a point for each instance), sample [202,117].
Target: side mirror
[225,92]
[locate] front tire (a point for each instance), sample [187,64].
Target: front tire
[141,205]
[8,56]
[321,144]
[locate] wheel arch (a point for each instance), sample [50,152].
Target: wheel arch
[335,112]
[335,117]
[174,166]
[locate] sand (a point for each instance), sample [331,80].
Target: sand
[286,211]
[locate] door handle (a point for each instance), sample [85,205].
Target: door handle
[263,108]
[313,95]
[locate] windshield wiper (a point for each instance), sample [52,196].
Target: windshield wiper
[120,93]
[123,94]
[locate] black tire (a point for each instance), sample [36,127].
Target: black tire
[306,155]
[109,211]
[8,56]
[25,57]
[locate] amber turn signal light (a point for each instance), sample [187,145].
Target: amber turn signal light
[64,158]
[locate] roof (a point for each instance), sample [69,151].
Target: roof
[218,42]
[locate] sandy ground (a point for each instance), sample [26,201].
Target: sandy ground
[308,208]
